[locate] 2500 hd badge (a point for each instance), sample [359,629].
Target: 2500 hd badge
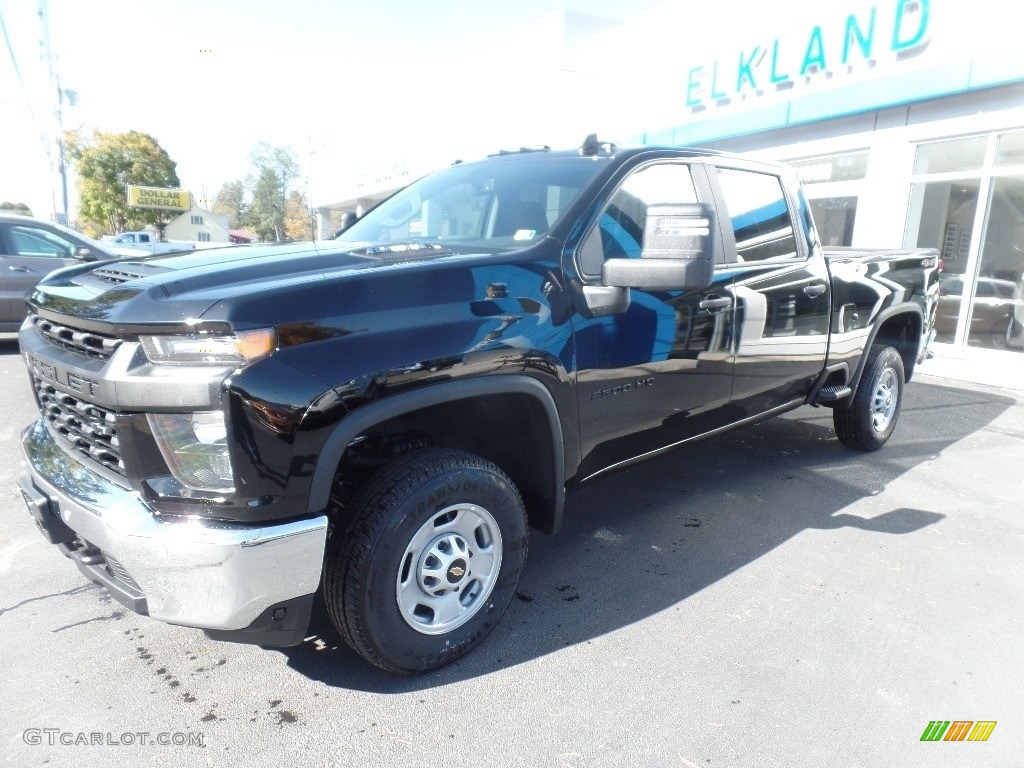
[622,388]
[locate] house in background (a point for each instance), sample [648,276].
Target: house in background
[242,236]
[199,225]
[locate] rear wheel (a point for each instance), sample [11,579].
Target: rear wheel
[430,561]
[1001,338]
[871,418]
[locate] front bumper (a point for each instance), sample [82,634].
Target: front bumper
[198,573]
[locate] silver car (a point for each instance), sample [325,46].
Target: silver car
[32,248]
[997,316]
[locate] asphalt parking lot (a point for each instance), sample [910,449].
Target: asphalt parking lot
[766,598]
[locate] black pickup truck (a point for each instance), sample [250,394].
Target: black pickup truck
[379,418]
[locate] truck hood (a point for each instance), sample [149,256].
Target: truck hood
[176,289]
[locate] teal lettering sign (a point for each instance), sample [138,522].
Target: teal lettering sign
[896,29]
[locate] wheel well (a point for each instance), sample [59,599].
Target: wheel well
[903,333]
[511,430]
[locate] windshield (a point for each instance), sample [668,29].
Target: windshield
[71,234]
[498,205]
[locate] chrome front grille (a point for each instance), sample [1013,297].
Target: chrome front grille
[89,429]
[84,342]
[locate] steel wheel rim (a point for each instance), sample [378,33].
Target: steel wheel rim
[449,569]
[884,400]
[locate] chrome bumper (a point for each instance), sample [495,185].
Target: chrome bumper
[194,572]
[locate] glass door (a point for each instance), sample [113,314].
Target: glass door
[963,187]
[946,213]
[996,317]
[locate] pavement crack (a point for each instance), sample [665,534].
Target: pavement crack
[115,616]
[74,591]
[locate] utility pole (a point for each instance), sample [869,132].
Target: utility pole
[72,98]
[309,186]
[64,215]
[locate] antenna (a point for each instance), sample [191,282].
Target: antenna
[593,145]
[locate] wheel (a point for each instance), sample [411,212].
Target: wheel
[871,418]
[1015,334]
[429,562]
[1001,338]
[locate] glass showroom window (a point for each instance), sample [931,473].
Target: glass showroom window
[997,312]
[951,179]
[832,185]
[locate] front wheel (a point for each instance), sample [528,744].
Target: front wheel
[871,418]
[435,545]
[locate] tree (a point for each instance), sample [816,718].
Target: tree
[266,212]
[281,159]
[298,221]
[274,169]
[18,208]
[230,202]
[109,162]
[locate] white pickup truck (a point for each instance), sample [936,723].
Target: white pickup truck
[148,241]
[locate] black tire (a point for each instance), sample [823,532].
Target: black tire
[429,562]
[1015,333]
[1001,339]
[871,418]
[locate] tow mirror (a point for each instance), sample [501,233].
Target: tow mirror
[678,251]
[347,221]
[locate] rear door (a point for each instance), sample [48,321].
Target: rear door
[780,285]
[27,255]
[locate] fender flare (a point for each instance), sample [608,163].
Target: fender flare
[391,406]
[906,307]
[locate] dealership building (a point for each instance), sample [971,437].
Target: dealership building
[904,118]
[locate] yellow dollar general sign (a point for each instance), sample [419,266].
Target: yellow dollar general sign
[958,730]
[158,197]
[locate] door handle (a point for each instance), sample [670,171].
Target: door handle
[715,303]
[20,269]
[814,290]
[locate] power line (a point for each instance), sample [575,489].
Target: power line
[24,91]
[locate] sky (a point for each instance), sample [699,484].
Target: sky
[355,89]
[372,94]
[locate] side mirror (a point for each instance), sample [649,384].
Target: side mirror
[84,254]
[347,221]
[678,251]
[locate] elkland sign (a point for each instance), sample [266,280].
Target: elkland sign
[159,198]
[894,30]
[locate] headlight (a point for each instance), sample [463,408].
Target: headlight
[195,447]
[202,349]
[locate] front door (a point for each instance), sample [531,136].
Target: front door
[658,370]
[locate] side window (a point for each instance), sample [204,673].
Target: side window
[36,242]
[620,229]
[760,217]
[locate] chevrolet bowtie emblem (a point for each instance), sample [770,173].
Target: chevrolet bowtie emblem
[457,572]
